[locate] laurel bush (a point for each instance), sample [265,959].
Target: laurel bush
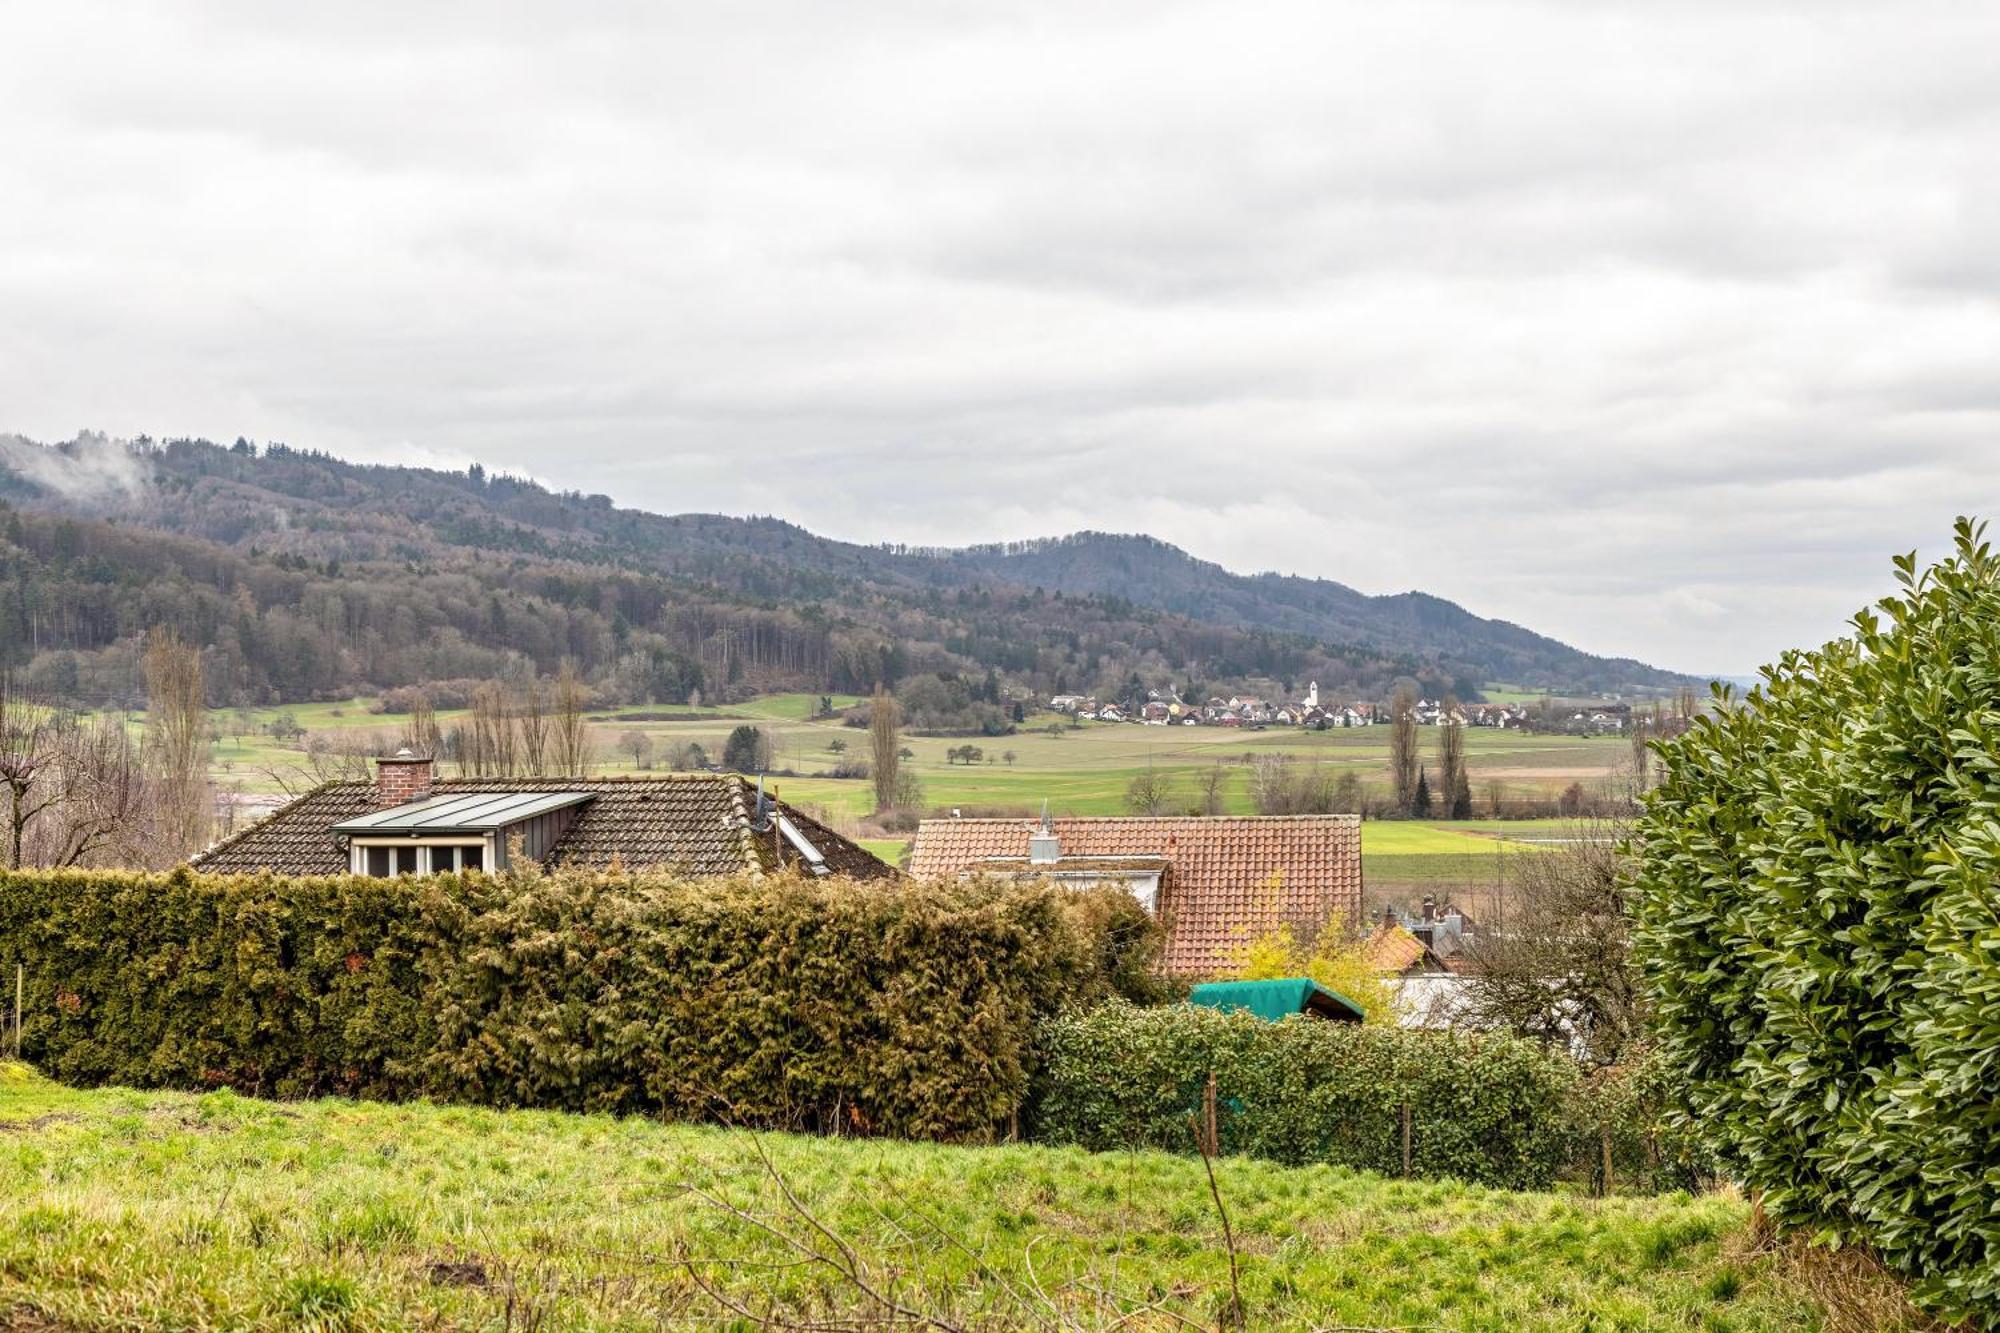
[896,1008]
[1819,930]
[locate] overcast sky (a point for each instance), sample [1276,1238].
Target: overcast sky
[1657,327]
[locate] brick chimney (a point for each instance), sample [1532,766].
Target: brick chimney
[401,778]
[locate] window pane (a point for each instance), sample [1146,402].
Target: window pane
[377,862]
[406,860]
[471,858]
[441,860]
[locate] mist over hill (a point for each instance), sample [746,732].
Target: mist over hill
[308,576]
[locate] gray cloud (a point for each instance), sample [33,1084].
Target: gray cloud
[1653,326]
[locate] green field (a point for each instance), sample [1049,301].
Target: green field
[1081,771]
[154,1210]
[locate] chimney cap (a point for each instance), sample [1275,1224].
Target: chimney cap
[405,755]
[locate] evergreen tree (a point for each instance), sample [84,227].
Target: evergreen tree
[747,750]
[1461,800]
[1420,804]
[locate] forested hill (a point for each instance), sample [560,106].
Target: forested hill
[309,576]
[1151,572]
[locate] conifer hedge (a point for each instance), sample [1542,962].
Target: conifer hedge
[1819,903]
[1492,1109]
[895,1008]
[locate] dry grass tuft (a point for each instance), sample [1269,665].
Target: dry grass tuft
[1851,1288]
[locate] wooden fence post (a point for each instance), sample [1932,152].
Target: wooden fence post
[1406,1140]
[1604,1144]
[1211,1135]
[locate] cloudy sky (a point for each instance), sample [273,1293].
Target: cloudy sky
[1654,327]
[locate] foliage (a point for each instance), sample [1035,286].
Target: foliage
[898,1009]
[943,703]
[1333,955]
[1491,1109]
[166,1210]
[748,749]
[1633,1109]
[1820,935]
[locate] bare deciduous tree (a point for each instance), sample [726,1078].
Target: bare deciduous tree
[30,733]
[569,734]
[420,732]
[1148,793]
[1454,787]
[885,744]
[1560,970]
[638,745]
[1403,748]
[531,718]
[486,744]
[176,740]
[338,755]
[1644,729]
[1212,780]
[105,813]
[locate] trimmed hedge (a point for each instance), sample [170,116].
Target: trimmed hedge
[1492,1109]
[899,1009]
[1819,930]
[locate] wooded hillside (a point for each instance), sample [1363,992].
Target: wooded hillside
[312,577]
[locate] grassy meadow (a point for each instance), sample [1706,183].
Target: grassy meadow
[1081,770]
[153,1210]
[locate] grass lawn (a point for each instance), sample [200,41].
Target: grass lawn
[128,1210]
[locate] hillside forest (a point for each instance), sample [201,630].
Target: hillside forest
[304,577]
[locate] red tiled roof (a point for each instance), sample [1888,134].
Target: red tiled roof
[1393,949]
[693,823]
[1234,877]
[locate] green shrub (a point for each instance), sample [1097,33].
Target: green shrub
[888,1008]
[1635,1105]
[1820,932]
[1492,1109]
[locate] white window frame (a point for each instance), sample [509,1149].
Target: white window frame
[429,848]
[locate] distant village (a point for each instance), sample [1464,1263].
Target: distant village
[1163,708]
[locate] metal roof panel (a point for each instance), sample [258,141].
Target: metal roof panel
[470,812]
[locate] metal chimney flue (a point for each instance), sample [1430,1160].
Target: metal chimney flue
[1044,849]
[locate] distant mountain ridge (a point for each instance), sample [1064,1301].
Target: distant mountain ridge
[1156,573]
[431,573]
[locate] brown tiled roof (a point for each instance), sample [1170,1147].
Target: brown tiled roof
[1234,877]
[1394,950]
[695,823]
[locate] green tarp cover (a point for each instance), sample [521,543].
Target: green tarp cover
[1272,1000]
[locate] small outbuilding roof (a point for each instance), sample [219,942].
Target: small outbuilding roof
[1273,1000]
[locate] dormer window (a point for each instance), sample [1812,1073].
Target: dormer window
[385,860]
[458,831]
